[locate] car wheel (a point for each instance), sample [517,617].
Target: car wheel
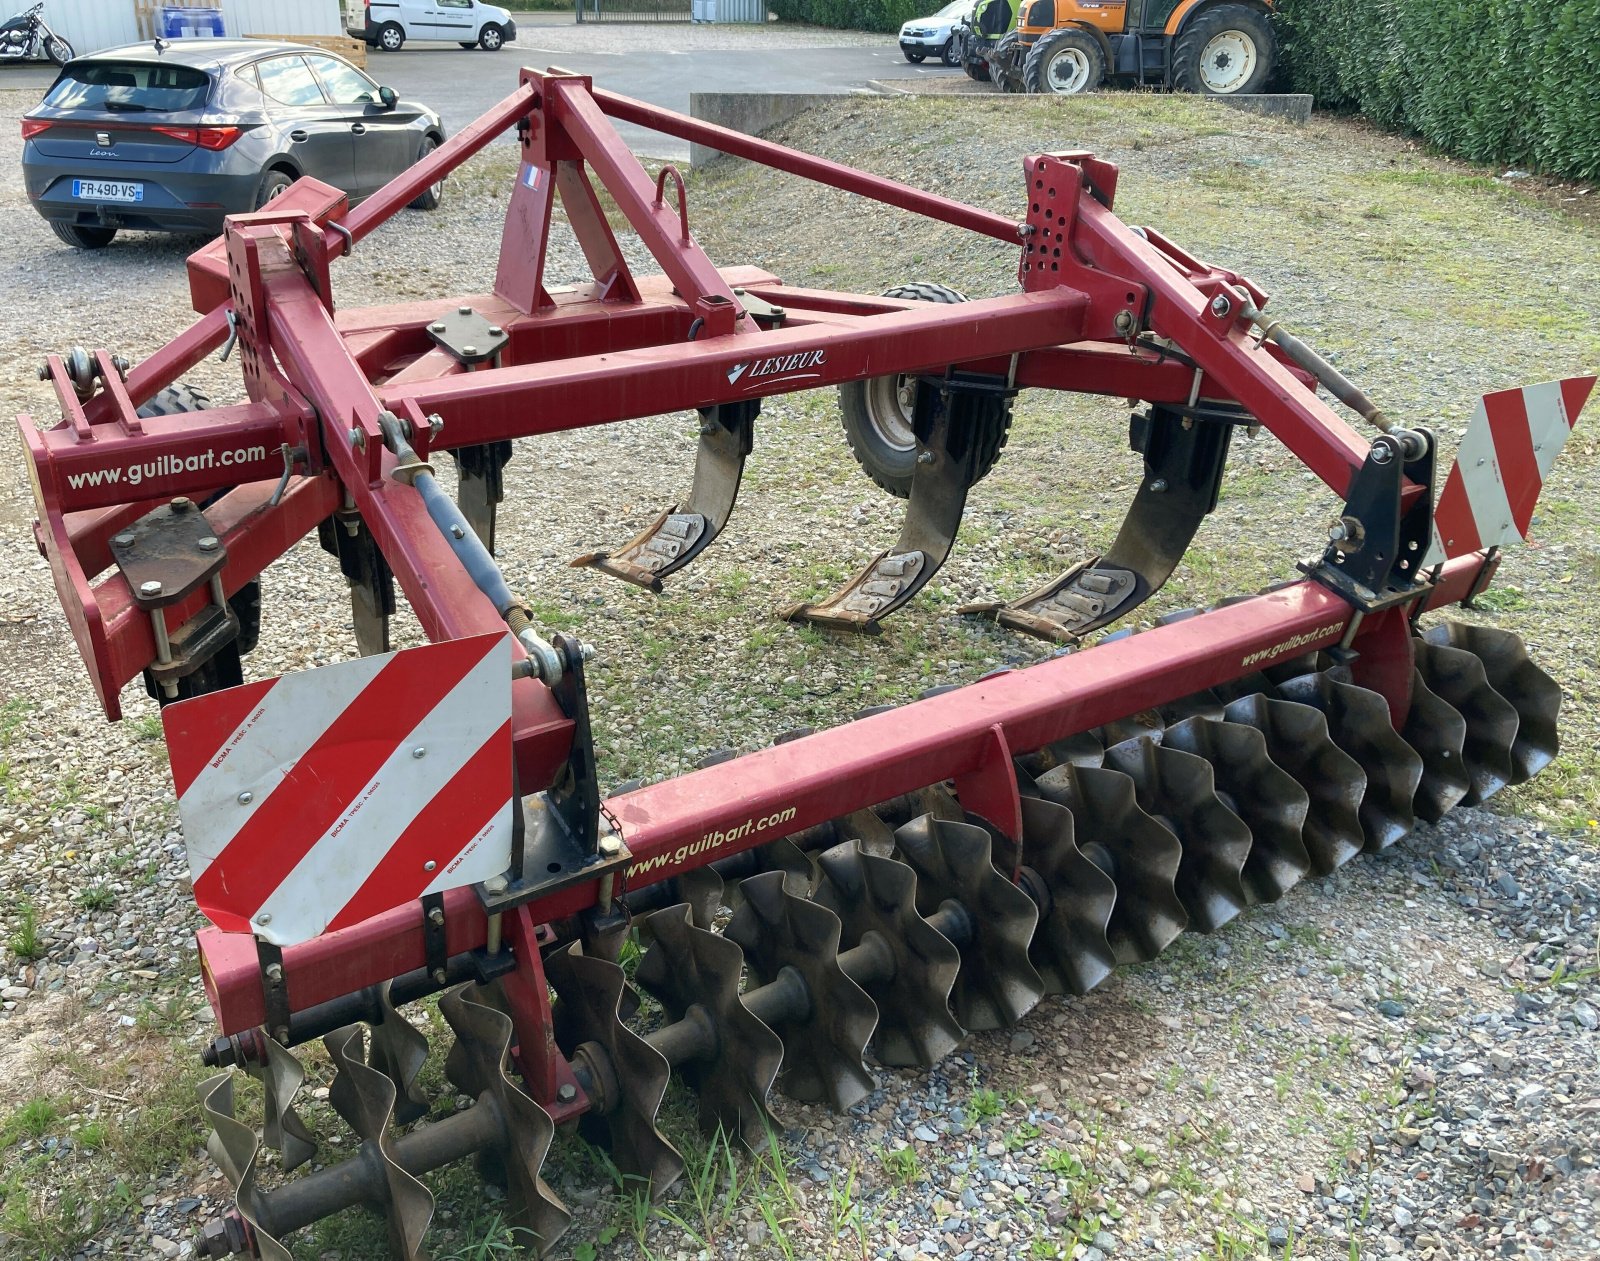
[914,58]
[429,198]
[950,54]
[84,238]
[876,414]
[273,187]
[467,43]
[391,37]
[58,50]
[490,38]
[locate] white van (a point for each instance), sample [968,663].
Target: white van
[387,24]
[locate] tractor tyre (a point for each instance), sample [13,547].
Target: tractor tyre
[876,415]
[1065,62]
[1226,51]
[974,62]
[1005,65]
[175,400]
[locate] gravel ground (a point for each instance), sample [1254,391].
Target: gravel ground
[1399,1060]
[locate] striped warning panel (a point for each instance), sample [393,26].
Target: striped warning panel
[1505,456]
[316,800]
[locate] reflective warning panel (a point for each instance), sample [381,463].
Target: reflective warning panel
[1506,453]
[316,800]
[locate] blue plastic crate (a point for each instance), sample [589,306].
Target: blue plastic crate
[182,23]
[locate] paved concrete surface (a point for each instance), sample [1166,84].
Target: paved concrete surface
[662,68]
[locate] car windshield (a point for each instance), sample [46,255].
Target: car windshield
[956,9]
[131,86]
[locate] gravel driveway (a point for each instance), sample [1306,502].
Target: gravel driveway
[1400,1060]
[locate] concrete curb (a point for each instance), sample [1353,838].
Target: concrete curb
[1292,107]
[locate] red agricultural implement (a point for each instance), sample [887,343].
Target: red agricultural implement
[428,822]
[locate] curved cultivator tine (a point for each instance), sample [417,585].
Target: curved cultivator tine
[281,1075]
[399,1050]
[235,1148]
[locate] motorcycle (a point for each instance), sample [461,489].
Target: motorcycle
[26,38]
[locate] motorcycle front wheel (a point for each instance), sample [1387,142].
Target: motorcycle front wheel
[58,50]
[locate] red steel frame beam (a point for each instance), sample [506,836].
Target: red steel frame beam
[786,788]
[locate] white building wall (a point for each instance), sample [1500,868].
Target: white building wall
[94,24]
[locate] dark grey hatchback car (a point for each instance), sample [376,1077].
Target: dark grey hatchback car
[173,136]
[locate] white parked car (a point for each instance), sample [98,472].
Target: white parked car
[387,24]
[934,36]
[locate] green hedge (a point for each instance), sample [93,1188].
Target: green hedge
[1503,81]
[887,16]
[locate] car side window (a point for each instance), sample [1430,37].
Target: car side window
[454,4]
[289,81]
[345,85]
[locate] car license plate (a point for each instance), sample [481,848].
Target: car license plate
[108,190]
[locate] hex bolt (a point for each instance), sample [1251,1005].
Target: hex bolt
[430,865]
[123,540]
[438,326]
[496,331]
[245,798]
[495,884]
[610,845]
[1382,454]
[208,544]
[420,751]
[436,916]
[463,310]
[1159,486]
[1221,307]
[469,350]
[925,457]
[456,532]
[435,425]
[1337,533]
[274,972]
[566,1092]
[440,976]
[182,504]
[153,587]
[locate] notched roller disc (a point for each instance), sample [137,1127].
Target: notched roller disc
[1297,741]
[1269,801]
[1459,679]
[696,976]
[1359,723]
[1438,732]
[823,1043]
[997,985]
[875,899]
[1512,673]
[477,1067]
[1139,855]
[1070,948]
[1177,790]
[631,1075]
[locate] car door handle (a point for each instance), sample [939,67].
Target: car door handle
[297,136]
[360,129]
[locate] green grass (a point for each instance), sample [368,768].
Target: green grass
[24,940]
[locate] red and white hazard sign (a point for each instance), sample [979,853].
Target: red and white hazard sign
[316,800]
[1505,455]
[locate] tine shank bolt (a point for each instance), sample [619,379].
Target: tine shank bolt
[439,975]
[436,917]
[274,972]
[566,1092]
[123,540]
